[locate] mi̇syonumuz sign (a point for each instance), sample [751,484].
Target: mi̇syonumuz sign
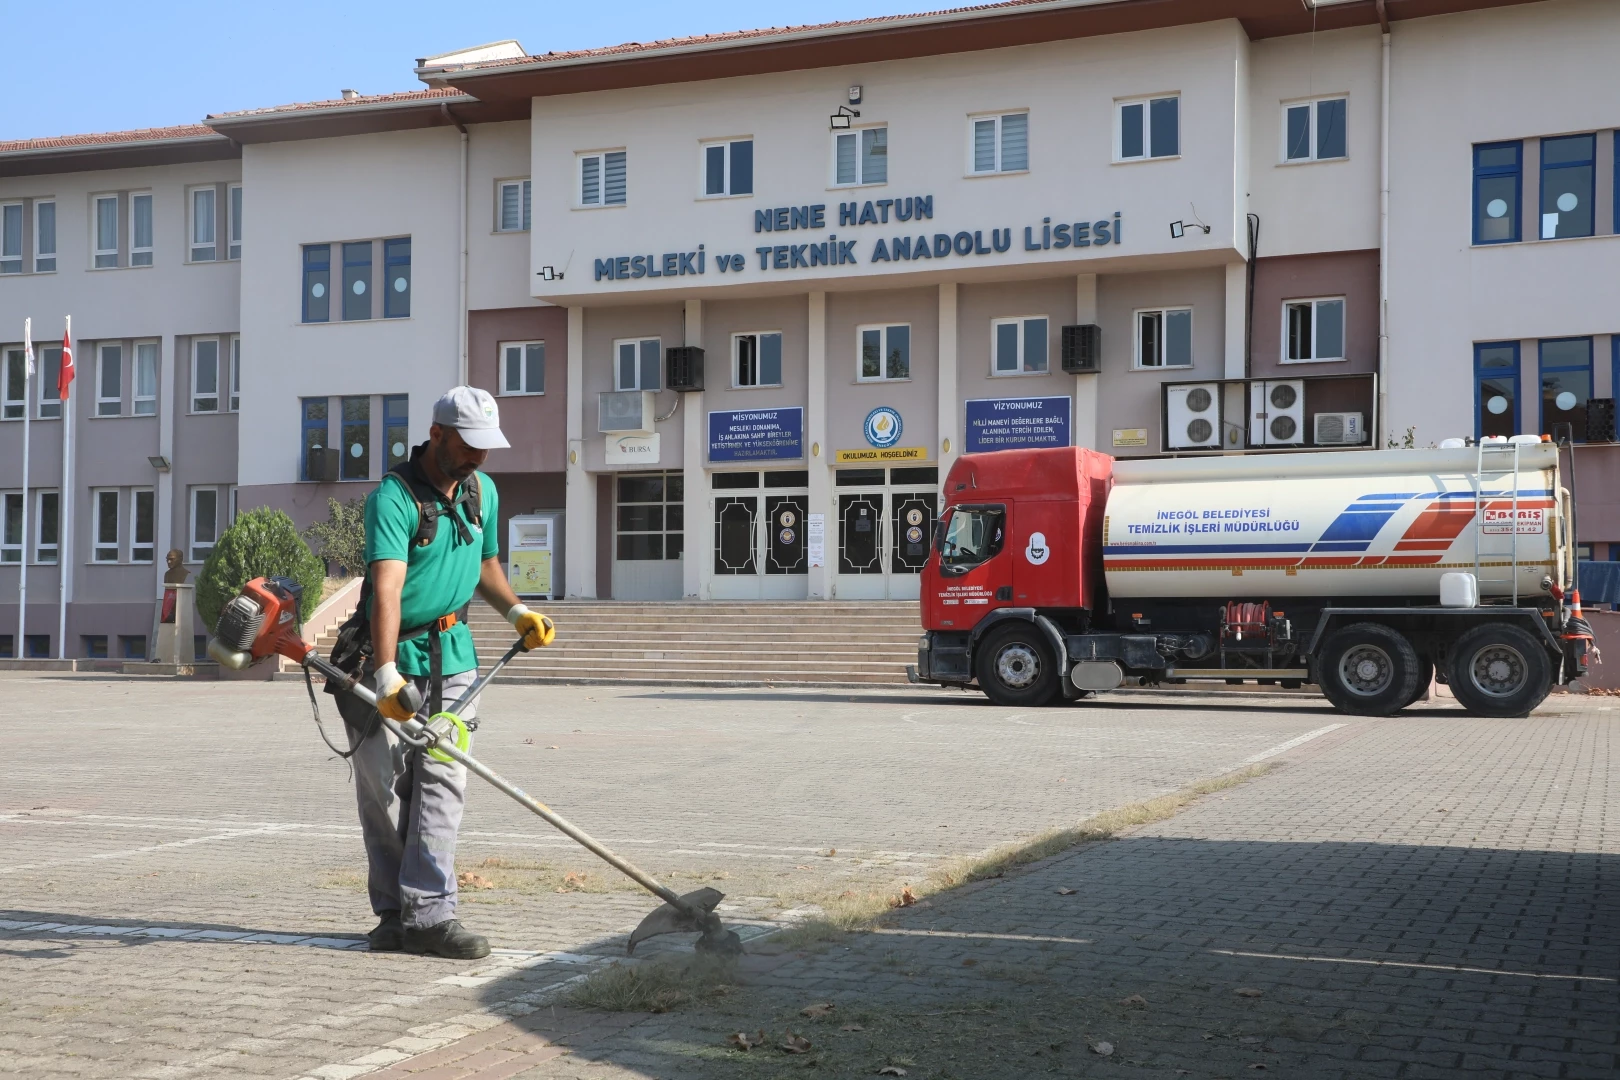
[756,435]
[1017,423]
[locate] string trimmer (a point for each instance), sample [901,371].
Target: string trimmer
[262,621]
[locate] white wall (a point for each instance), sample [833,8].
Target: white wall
[498,266]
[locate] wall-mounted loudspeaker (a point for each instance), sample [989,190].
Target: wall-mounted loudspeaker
[1082,349]
[684,367]
[321,465]
[1600,420]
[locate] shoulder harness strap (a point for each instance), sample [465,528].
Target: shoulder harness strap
[431,503]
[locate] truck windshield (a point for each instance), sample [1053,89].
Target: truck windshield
[970,536]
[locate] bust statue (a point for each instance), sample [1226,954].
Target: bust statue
[177,574]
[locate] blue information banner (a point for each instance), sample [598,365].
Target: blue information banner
[1017,423]
[756,435]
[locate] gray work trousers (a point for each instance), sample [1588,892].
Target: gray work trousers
[410,810]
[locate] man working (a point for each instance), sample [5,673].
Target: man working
[430,544]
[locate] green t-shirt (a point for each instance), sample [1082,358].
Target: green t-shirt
[440,576]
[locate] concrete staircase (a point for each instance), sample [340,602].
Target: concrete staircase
[781,643]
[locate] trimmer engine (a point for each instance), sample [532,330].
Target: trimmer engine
[259,622]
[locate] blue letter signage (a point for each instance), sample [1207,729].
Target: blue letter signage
[756,435]
[1017,423]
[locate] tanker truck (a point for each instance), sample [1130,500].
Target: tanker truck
[1059,573]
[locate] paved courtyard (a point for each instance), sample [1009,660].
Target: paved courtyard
[1429,895]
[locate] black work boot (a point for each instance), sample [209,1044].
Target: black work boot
[389,935]
[449,939]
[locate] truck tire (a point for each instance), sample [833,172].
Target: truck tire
[1015,667]
[1499,670]
[1424,677]
[1367,669]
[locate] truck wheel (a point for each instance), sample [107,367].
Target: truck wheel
[1015,667]
[1368,670]
[1499,670]
[1425,676]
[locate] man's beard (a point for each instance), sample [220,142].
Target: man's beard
[447,464]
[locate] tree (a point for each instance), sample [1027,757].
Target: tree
[341,538]
[260,543]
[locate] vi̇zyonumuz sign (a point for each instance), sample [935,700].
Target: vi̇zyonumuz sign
[1017,423]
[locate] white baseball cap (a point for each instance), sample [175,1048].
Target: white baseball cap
[474,415]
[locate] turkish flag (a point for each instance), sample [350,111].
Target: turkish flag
[64,374]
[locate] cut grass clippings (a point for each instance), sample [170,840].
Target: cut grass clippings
[654,986]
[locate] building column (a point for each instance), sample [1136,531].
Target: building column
[168,405]
[579,524]
[1085,386]
[1237,320]
[815,434]
[950,439]
[697,563]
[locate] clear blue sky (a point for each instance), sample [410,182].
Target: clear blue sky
[125,65]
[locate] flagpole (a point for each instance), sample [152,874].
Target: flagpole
[22,561]
[64,501]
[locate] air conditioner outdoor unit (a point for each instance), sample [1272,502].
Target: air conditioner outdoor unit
[1193,416]
[624,412]
[1082,349]
[1277,413]
[1339,429]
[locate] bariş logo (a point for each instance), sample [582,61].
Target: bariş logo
[883,427]
[1037,552]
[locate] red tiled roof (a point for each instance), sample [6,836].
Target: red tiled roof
[402,98]
[109,138]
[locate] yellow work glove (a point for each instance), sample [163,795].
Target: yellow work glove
[389,682]
[537,629]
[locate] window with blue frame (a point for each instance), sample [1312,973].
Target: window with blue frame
[357,281]
[315,432]
[397,278]
[1566,384]
[1496,388]
[317,282]
[1497,180]
[1567,180]
[397,427]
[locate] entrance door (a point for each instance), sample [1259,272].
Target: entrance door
[885,521]
[759,551]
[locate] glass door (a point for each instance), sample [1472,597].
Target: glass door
[885,521]
[759,549]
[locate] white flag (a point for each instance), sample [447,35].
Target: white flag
[28,346]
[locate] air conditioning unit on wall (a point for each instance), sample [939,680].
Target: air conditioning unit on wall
[626,412]
[1339,429]
[1193,416]
[1277,412]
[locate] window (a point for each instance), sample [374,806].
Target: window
[11,529]
[236,372]
[105,505]
[50,362]
[397,427]
[315,431]
[1313,330]
[47,526]
[602,179]
[1314,130]
[235,194]
[861,157]
[203,224]
[37,646]
[1019,346]
[317,282]
[357,281]
[757,359]
[106,253]
[1496,192]
[396,278]
[651,516]
[638,365]
[1164,338]
[1566,384]
[11,238]
[1148,128]
[885,353]
[356,438]
[972,535]
[145,380]
[1496,389]
[15,399]
[132,646]
[44,237]
[142,524]
[1567,168]
[523,367]
[95,646]
[140,229]
[204,522]
[1000,143]
[728,168]
[512,206]
[205,375]
[109,380]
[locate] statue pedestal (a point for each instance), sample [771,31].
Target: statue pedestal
[175,638]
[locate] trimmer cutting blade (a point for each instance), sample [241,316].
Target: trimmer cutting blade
[695,911]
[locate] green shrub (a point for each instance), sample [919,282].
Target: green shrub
[260,543]
[341,538]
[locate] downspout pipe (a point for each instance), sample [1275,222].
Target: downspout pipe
[1380,430]
[461,243]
